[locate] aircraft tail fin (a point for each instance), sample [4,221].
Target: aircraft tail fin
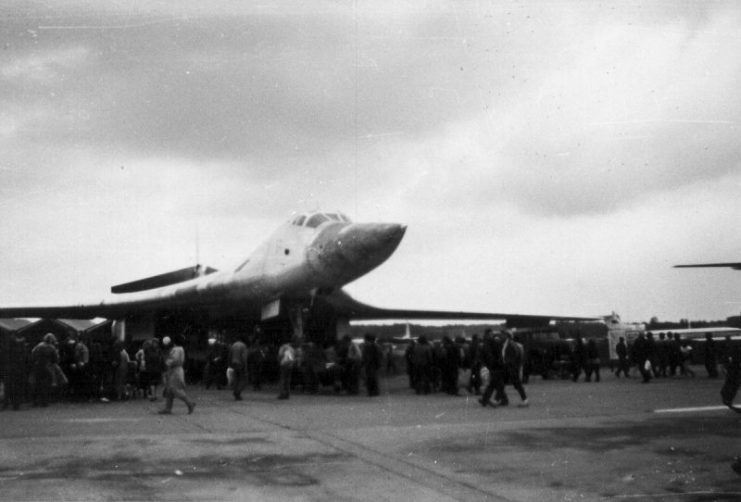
[166,279]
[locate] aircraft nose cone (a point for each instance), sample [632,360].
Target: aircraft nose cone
[346,253]
[372,235]
[370,242]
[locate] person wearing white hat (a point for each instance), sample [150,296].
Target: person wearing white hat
[175,376]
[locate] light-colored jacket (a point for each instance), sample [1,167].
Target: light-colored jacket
[174,374]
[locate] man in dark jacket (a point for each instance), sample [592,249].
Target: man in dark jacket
[473,358]
[491,358]
[513,355]
[642,357]
[44,356]
[371,361]
[409,359]
[16,371]
[216,363]
[449,366]
[422,359]
[622,352]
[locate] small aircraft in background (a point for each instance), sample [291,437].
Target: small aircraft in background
[406,338]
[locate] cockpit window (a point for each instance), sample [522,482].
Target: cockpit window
[316,220]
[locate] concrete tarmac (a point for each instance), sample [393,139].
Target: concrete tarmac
[614,440]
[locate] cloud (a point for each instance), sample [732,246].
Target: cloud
[632,113]
[44,68]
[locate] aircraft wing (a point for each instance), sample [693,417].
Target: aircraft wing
[144,296]
[80,311]
[734,266]
[346,306]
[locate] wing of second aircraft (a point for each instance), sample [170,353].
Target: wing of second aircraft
[346,306]
[734,266]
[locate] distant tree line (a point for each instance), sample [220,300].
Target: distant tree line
[386,332]
[655,324]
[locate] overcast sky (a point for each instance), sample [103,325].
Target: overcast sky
[548,157]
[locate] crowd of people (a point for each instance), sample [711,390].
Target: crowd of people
[307,366]
[104,370]
[670,356]
[100,370]
[72,368]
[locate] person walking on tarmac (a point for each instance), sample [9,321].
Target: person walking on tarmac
[711,361]
[491,358]
[579,358]
[642,356]
[371,362]
[473,360]
[175,376]
[43,357]
[513,356]
[593,362]
[622,353]
[733,378]
[16,371]
[422,359]
[238,355]
[286,361]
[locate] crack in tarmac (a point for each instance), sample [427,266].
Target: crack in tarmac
[431,479]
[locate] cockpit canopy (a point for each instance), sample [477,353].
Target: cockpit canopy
[313,220]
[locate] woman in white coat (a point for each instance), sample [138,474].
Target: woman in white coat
[174,378]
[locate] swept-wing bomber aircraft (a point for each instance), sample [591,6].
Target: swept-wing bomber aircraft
[295,276]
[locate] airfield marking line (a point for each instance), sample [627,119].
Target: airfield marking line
[691,409]
[100,420]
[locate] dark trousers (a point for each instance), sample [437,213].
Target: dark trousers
[496,383]
[239,383]
[171,394]
[285,381]
[576,371]
[42,386]
[623,367]
[513,377]
[646,374]
[450,379]
[731,384]
[15,389]
[422,379]
[712,368]
[592,368]
[474,383]
[214,375]
[371,382]
[411,373]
